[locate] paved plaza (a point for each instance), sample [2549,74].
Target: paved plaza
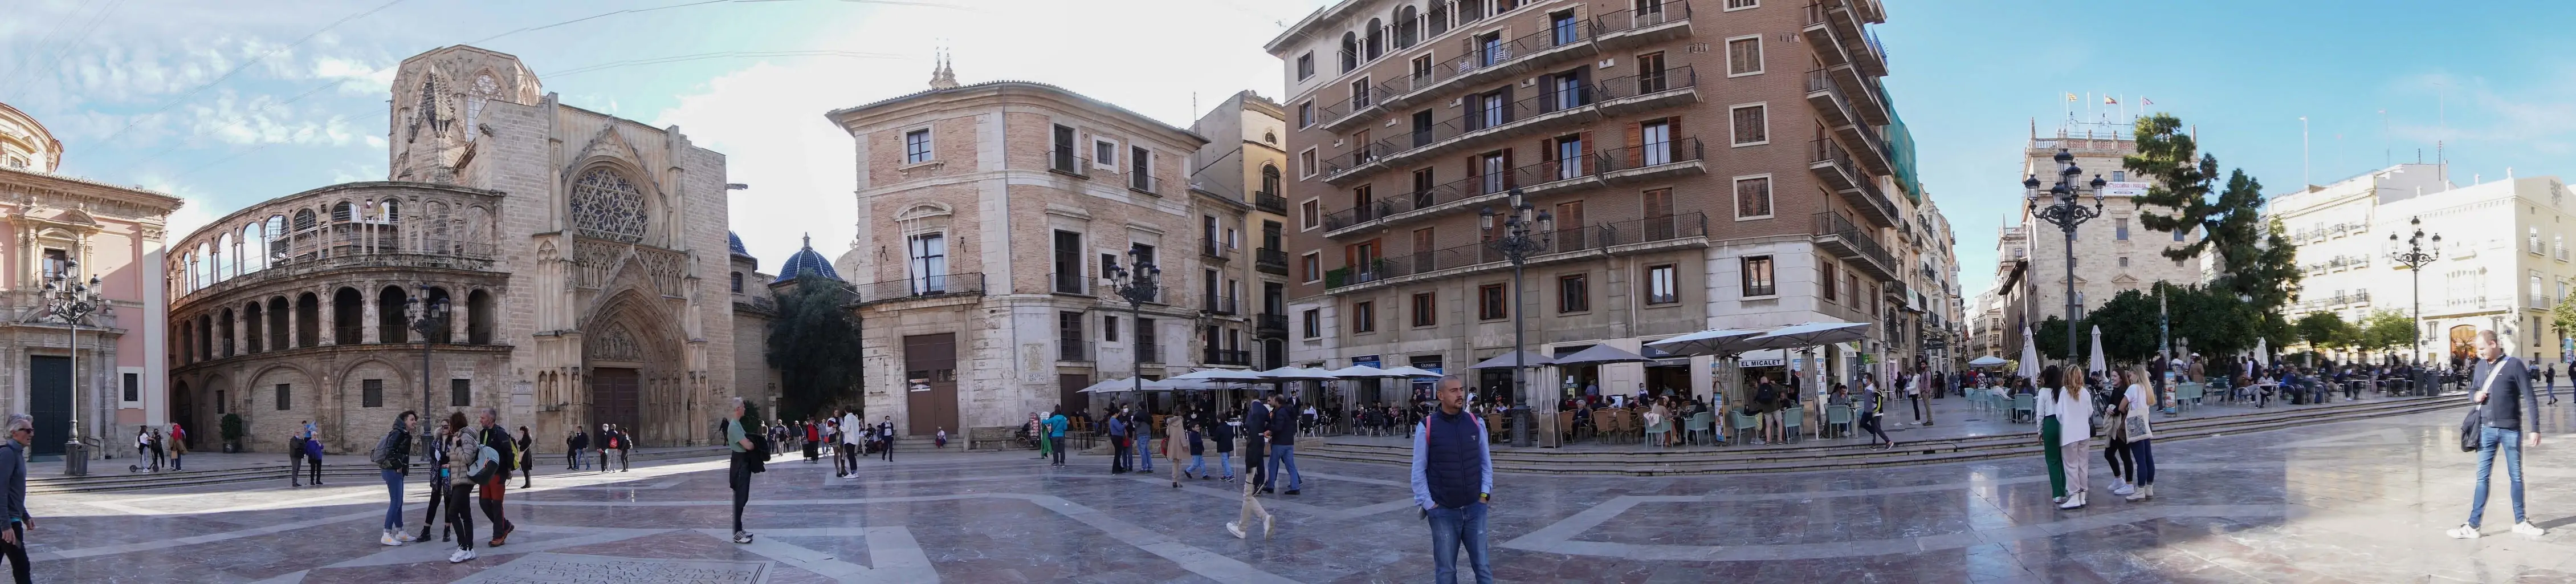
[2355,501]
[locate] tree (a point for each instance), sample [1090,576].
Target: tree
[2051,337]
[2128,324]
[814,344]
[2562,318]
[2386,329]
[2324,330]
[2256,260]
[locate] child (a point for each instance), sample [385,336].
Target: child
[942,438]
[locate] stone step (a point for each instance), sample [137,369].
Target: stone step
[1849,456]
[331,470]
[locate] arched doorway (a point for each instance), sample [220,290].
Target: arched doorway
[2464,342]
[638,372]
[183,411]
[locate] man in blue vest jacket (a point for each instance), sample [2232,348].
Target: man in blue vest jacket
[1453,479]
[1283,446]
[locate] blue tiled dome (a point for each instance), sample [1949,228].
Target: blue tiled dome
[806,260]
[734,240]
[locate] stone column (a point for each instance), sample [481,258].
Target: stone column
[460,316]
[294,322]
[367,316]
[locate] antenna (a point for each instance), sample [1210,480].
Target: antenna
[2384,159]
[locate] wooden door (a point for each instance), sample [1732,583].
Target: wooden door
[615,398]
[49,399]
[930,384]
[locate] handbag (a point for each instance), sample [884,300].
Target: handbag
[2472,426]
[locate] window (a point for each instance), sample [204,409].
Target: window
[1568,156]
[1573,294]
[1305,65]
[2178,233]
[1489,302]
[1753,197]
[1408,21]
[134,385]
[737,282]
[1311,266]
[1825,275]
[460,392]
[1488,111]
[1743,56]
[1140,163]
[371,393]
[1657,137]
[928,263]
[1489,49]
[284,402]
[1305,115]
[1364,317]
[916,146]
[2120,229]
[1069,338]
[1350,52]
[1650,74]
[1757,277]
[1424,310]
[1064,150]
[1422,67]
[2119,175]
[1742,4]
[1751,125]
[1661,288]
[1313,320]
[1568,88]
[1104,154]
[1306,164]
[58,265]
[1146,349]
[1561,29]
[2124,261]
[1109,327]
[1068,263]
[1495,177]
[221,406]
[1309,213]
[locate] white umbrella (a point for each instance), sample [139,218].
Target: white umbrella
[1600,354]
[1809,335]
[2263,351]
[2029,355]
[2097,366]
[1296,374]
[1222,375]
[1987,361]
[1362,372]
[1708,342]
[1505,361]
[1412,371]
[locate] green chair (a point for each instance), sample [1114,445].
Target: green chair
[2025,403]
[1793,421]
[1699,426]
[1742,424]
[1836,417]
[1655,432]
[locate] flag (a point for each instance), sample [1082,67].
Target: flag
[2106,100]
[2145,101]
[2070,97]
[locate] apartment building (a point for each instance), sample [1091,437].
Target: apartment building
[2503,260]
[2113,252]
[989,217]
[1687,165]
[2337,228]
[1241,173]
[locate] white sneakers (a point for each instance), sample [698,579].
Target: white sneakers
[1265,526]
[742,537]
[2526,528]
[2074,501]
[388,538]
[2142,493]
[2123,488]
[2463,532]
[460,556]
[1237,530]
[403,535]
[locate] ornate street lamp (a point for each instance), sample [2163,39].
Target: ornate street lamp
[1141,284]
[426,317]
[1514,238]
[2415,255]
[72,301]
[2066,214]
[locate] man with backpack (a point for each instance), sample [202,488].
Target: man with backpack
[496,440]
[392,456]
[747,457]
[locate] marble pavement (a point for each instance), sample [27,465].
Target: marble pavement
[2350,502]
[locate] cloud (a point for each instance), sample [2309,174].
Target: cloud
[356,77]
[768,121]
[264,119]
[195,213]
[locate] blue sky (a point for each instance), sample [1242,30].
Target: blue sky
[233,104]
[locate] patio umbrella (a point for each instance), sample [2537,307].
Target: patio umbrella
[1598,355]
[2029,355]
[1708,342]
[2263,351]
[1295,374]
[1222,375]
[1810,334]
[1124,384]
[1987,361]
[1504,361]
[1363,372]
[1412,371]
[2097,365]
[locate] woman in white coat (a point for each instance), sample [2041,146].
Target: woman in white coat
[2074,427]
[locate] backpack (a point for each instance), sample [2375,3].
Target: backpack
[383,454]
[485,466]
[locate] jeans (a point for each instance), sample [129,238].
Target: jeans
[1451,528]
[1870,424]
[2491,439]
[1283,454]
[1057,442]
[393,511]
[1225,463]
[1198,465]
[739,478]
[2146,456]
[1118,452]
[1144,450]
[17,554]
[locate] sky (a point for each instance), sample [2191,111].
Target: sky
[228,104]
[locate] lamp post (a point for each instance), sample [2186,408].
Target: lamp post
[426,317]
[2066,214]
[1138,285]
[1514,238]
[72,300]
[2415,255]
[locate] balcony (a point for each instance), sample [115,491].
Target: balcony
[1147,351]
[1227,358]
[1270,326]
[1073,349]
[1212,250]
[1073,283]
[919,287]
[1651,161]
[1144,183]
[1474,127]
[1644,26]
[1351,112]
[1689,230]
[1220,305]
[1488,63]
[1844,23]
[1834,167]
[1671,158]
[1839,236]
[1270,260]
[1064,161]
[1270,202]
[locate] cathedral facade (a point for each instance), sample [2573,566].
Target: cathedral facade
[581,261]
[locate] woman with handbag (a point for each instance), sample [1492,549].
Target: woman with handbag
[2050,379]
[2115,434]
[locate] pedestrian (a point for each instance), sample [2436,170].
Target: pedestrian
[1256,443]
[1453,481]
[143,445]
[2045,406]
[1283,448]
[497,439]
[625,446]
[179,444]
[439,476]
[573,445]
[392,456]
[1173,425]
[1055,436]
[1871,416]
[1913,386]
[313,456]
[1117,444]
[1194,431]
[527,459]
[2550,372]
[739,476]
[2509,413]
[294,460]
[469,464]
[13,494]
[1222,431]
[2137,404]
[941,440]
[813,439]
[2074,422]
[1141,431]
[853,434]
[605,441]
[2115,449]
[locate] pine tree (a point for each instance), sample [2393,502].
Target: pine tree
[2256,260]
[814,345]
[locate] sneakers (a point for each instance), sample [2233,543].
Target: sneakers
[2464,531]
[2142,493]
[2056,500]
[2123,489]
[1237,530]
[1265,526]
[460,556]
[742,537]
[404,536]
[2074,501]
[1292,491]
[388,538]
[2526,528]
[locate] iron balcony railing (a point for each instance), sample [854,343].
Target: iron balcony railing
[1220,304]
[1065,160]
[1271,202]
[1269,324]
[1653,14]
[1560,240]
[1145,183]
[1270,258]
[1211,249]
[1072,349]
[922,287]
[1835,224]
[1674,151]
[1069,283]
[1476,117]
[1479,58]
[1825,150]
[1147,351]
[1235,357]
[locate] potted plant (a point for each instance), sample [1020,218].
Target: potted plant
[233,431]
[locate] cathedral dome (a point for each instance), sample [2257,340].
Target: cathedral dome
[806,260]
[734,240]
